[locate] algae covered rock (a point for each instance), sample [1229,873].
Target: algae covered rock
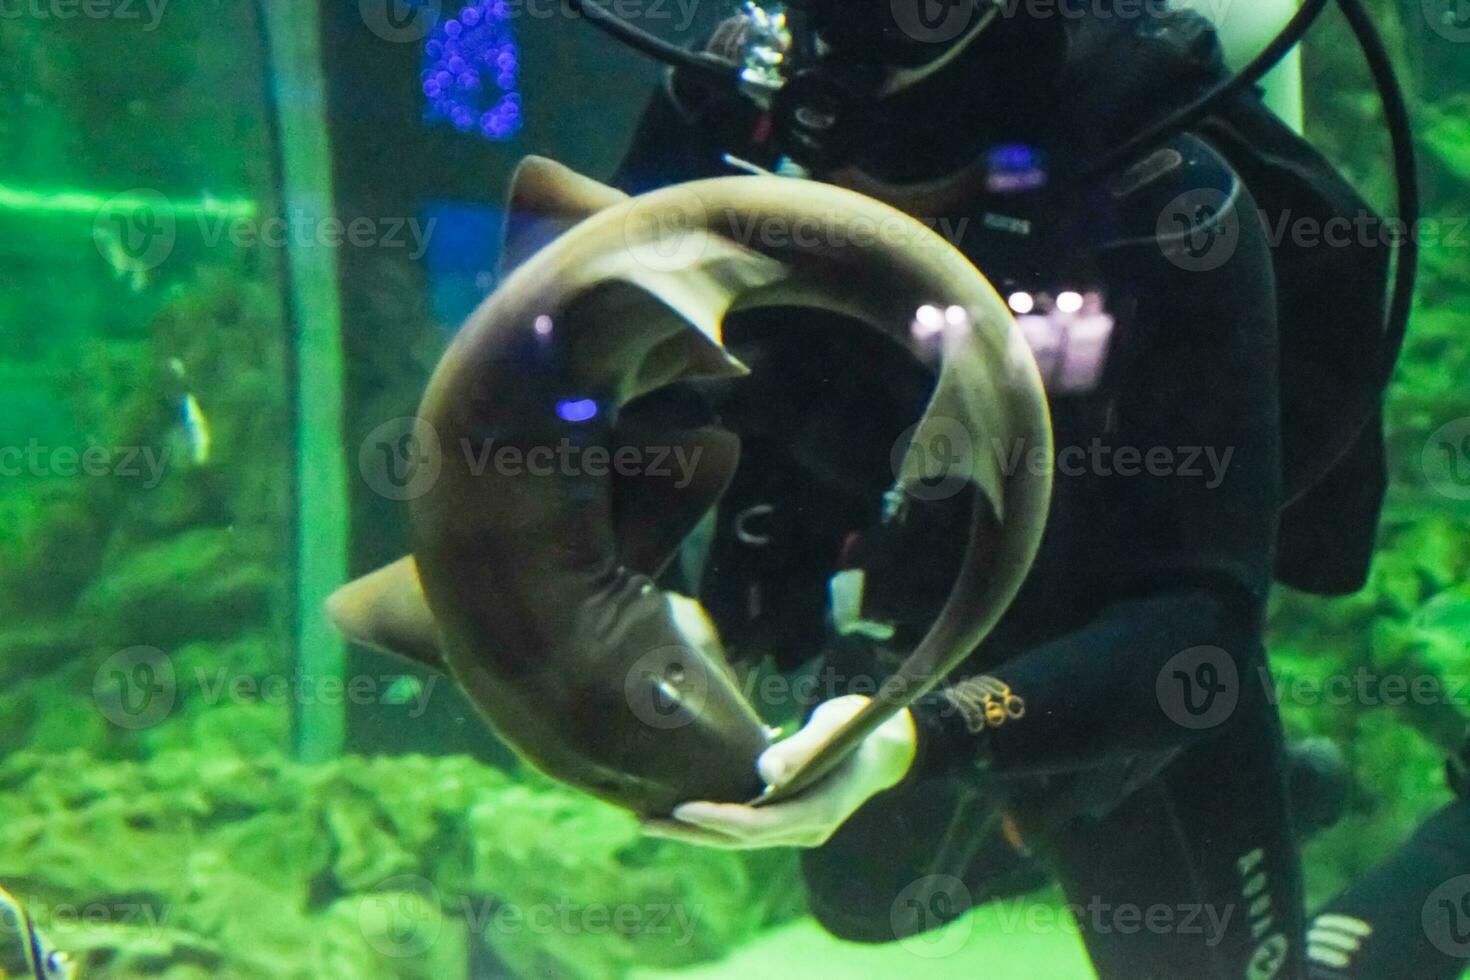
[205,584]
[195,864]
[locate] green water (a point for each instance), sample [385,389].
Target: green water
[198,779]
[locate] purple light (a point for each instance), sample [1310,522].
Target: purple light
[469,73]
[579,410]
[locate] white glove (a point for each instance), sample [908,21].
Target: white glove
[811,817]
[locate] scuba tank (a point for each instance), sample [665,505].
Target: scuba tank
[1338,341]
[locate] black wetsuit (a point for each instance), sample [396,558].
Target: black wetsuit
[1142,759]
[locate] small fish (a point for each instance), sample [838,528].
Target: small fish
[196,429]
[24,952]
[192,420]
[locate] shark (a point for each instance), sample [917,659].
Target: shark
[535,588]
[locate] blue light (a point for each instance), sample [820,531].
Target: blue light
[1015,167]
[579,410]
[469,73]
[1014,156]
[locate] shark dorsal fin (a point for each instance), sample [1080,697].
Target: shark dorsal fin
[545,200]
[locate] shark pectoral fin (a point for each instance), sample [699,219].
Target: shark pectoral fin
[545,200]
[683,474]
[624,291]
[970,422]
[386,610]
[702,288]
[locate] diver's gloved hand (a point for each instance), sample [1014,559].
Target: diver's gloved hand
[808,819]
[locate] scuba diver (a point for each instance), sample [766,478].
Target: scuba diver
[1215,400]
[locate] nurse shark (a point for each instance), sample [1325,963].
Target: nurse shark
[534,587]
